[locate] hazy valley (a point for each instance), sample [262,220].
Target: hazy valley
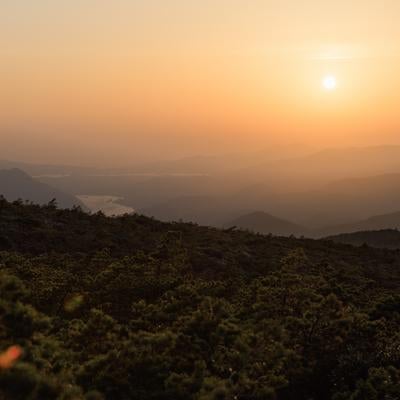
[309,194]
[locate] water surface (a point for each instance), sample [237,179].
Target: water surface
[107,204]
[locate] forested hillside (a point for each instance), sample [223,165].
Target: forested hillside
[133,308]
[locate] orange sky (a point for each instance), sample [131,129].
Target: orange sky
[158,78]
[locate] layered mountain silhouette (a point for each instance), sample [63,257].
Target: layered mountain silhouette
[330,187]
[333,203]
[16,184]
[325,165]
[329,192]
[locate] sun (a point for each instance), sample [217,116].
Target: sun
[329,82]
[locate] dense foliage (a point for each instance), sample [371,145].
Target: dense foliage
[132,308]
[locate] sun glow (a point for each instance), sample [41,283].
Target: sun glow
[329,82]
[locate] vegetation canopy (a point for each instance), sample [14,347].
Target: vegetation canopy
[132,308]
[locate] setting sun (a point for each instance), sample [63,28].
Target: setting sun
[329,82]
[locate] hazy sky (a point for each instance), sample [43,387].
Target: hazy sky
[128,79]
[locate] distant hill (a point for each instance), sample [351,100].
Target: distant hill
[16,184]
[262,222]
[386,238]
[375,223]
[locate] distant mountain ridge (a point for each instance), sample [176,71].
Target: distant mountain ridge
[328,164]
[16,184]
[265,223]
[389,221]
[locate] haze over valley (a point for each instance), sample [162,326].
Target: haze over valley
[317,193]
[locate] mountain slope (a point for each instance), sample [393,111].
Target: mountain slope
[16,184]
[262,222]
